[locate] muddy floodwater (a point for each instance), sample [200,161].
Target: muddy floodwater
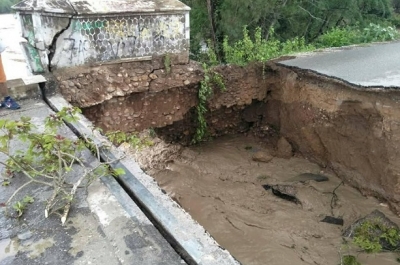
[221,186]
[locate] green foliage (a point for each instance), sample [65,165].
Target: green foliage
[5,183]
[247,50]
[338,37]
[258,49]
[199,25]
[48,158]
[375,32]
[117,172]
[290,18]
[167,63]
[349,260]
[368,244]
[370,234]
[211,59]
[208,55]
[395,20]
[118,137]
[243,32]
[211,78]
[396,6]
[20,206]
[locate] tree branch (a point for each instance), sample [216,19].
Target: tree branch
[18,190]
[308,12]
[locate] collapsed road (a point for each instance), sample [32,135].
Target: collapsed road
[347,126]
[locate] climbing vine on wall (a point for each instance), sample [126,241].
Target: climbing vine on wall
[211,79]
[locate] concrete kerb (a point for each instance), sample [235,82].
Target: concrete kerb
[188,237]
[134,238]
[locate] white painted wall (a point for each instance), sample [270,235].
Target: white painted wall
[103,39]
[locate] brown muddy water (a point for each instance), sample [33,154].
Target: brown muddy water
[221,186]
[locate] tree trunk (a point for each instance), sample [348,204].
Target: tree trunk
[212,23]
[277,15]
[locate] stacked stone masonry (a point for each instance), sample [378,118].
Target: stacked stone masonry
[122,95]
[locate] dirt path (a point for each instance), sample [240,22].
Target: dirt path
[220,185]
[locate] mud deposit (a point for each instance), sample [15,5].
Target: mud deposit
[221,186]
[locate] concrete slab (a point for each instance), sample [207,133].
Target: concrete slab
[129,231]
[98,231]
[374,66]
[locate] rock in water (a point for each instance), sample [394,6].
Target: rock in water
[262,156]
[284,149]
[333,220]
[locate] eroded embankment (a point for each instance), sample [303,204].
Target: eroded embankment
[348,131]
[353,131]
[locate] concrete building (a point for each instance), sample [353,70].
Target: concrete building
[71,33]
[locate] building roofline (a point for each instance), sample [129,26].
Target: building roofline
[100,7]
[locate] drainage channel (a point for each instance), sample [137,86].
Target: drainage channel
[187,237]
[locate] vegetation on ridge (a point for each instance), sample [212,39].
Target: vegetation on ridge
[287,19]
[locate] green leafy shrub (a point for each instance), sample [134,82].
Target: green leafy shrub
[119,137]
[375,32]
[373,236]
[20,206]
[338,37]
[395,21]
[297,44]
[349,260]
[259,49]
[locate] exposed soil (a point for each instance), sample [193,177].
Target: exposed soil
[355,132]
[221,186]
[352,133]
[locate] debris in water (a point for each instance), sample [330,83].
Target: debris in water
[284,149]
[308,176]
[286,192]
[333,220]
[262,156]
